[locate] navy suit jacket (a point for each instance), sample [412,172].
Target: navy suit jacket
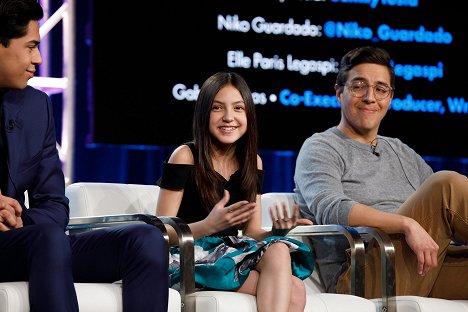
[33,160]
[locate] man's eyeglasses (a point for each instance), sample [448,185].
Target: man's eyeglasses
[359,89]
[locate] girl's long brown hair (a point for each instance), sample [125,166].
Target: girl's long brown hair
[209,183]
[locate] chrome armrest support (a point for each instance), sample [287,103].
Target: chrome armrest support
[356,245]
[84,223]
[186,243]
[354,236]
[187,262]
[387,266]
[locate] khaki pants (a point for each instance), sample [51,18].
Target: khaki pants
[440,206]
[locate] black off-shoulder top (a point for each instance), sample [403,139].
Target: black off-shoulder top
[181,176]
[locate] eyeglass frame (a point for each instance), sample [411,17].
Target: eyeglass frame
[367,86]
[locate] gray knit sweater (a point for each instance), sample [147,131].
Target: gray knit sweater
[333,172]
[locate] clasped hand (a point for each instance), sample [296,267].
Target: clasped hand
[10,214]
[282,223]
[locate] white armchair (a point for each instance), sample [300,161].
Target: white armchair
[389,301]
[95,199]
[102,204]
[14,296]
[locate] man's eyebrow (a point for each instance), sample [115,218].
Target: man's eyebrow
[359,79]
[34,42]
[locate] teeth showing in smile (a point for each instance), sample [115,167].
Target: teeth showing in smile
[228,128]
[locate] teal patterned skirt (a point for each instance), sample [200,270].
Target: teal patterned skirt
[223,263]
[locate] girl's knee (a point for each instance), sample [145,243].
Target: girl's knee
[278,250]
[276,257]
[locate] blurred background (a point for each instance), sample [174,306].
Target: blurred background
[124,76]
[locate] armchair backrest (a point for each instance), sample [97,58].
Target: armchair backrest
[90,199]
[269,200]
[103,198]
[99,199]
[95,198]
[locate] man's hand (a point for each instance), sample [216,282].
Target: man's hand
[425,248]
[10,214]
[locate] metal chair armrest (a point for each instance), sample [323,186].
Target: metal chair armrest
[187,262]
[387,266]
[77,224]
[186,244]
[354,236]
[356,246]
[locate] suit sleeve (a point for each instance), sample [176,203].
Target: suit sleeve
[44,179]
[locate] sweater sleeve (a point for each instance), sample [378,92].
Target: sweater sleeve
[318,185]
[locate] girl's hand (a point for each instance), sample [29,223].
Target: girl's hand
[282,225]
[222,217]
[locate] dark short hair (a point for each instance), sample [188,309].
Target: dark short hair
[15,16]
[361,55]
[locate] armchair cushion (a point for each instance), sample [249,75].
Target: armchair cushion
[92,297]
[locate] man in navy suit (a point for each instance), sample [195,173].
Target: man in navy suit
[33,244]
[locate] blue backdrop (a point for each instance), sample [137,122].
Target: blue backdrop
[143,164]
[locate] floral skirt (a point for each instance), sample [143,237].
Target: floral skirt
[223,263]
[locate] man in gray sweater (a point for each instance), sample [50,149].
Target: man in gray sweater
[351,175]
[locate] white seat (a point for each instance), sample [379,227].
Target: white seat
[424,304]
[401,303]
[317,298]
[14,297]
[98,199]
[90,199]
